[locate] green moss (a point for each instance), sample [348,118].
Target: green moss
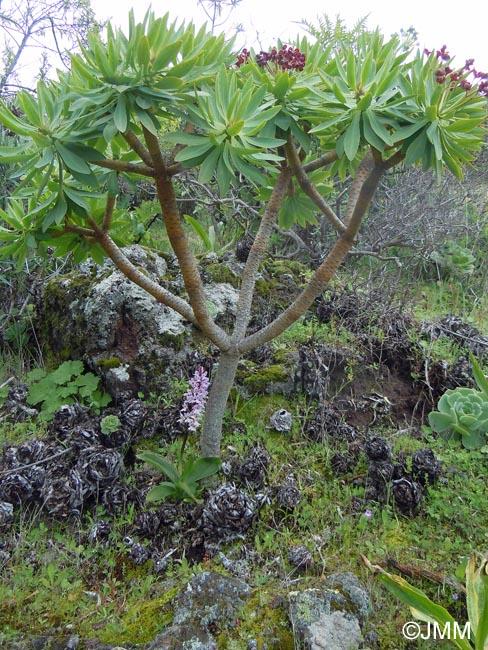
[260,379]
[55,321]
[277,268]
[221,273]
[263,619]
[107,364]
[15,433]
[142,620]
[267,287]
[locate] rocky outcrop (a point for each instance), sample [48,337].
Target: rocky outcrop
[330,618]
[96,314]
[210,601]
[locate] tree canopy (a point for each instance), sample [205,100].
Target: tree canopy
[166,98]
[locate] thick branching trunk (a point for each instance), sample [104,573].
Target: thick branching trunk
[368,176]
[370,173]
[179,243]
[216,404]
[256,254]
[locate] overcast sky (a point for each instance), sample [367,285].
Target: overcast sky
[463,28]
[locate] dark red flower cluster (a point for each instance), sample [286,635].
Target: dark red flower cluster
[460,76]
[243,57]
[287,58]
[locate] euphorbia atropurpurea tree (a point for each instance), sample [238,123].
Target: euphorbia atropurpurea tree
[165,99]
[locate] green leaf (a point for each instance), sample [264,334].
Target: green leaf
[420,605]
[351,69]
[476,593]
[143,51]
[282,85]
[201,468]
[416,149]
[148,121]
[190,490]
[167,54]
[36,374]
[71,159]
[56,214]
[9,120]
[352,137]
[440,422]
[479,377]
[29,106]
[65,371]
[161,492]
[379,128]
[433,135]
[121,119]
[39,393]
[193,151]
[200,230]
[471,438]
[224,174]
[369,134]
[160,463]
[14,154]
[207,167]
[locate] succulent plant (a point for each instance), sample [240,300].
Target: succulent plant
[377,448]
[426,467]
[6,515]
[228,512]
[281,420]
[117,497]
[288,496]
[254,469]
[100,532]
[407,495]
[342,463]
[99,467]
[463,415]
[300,557]
[463,412]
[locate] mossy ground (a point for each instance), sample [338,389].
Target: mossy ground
[57,583]
[94,591]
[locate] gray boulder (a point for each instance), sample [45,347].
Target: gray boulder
[329,619]
[96,314]
[183,637]
[211,599]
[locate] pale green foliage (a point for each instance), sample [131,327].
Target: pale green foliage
[184,484]
[463,412]
[377,96]
[424,609]
[454,260]
[65,385]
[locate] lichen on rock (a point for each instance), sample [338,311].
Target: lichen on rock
[96,314]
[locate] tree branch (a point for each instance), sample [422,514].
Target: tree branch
[79,230]
[132,273]
[257,253]
[108,213]
[122,166]
[326,270]
[133,141]
[309,188]
[362,174]
[179,243]
[326,159]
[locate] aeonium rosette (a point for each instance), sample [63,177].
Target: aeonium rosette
[462,413]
